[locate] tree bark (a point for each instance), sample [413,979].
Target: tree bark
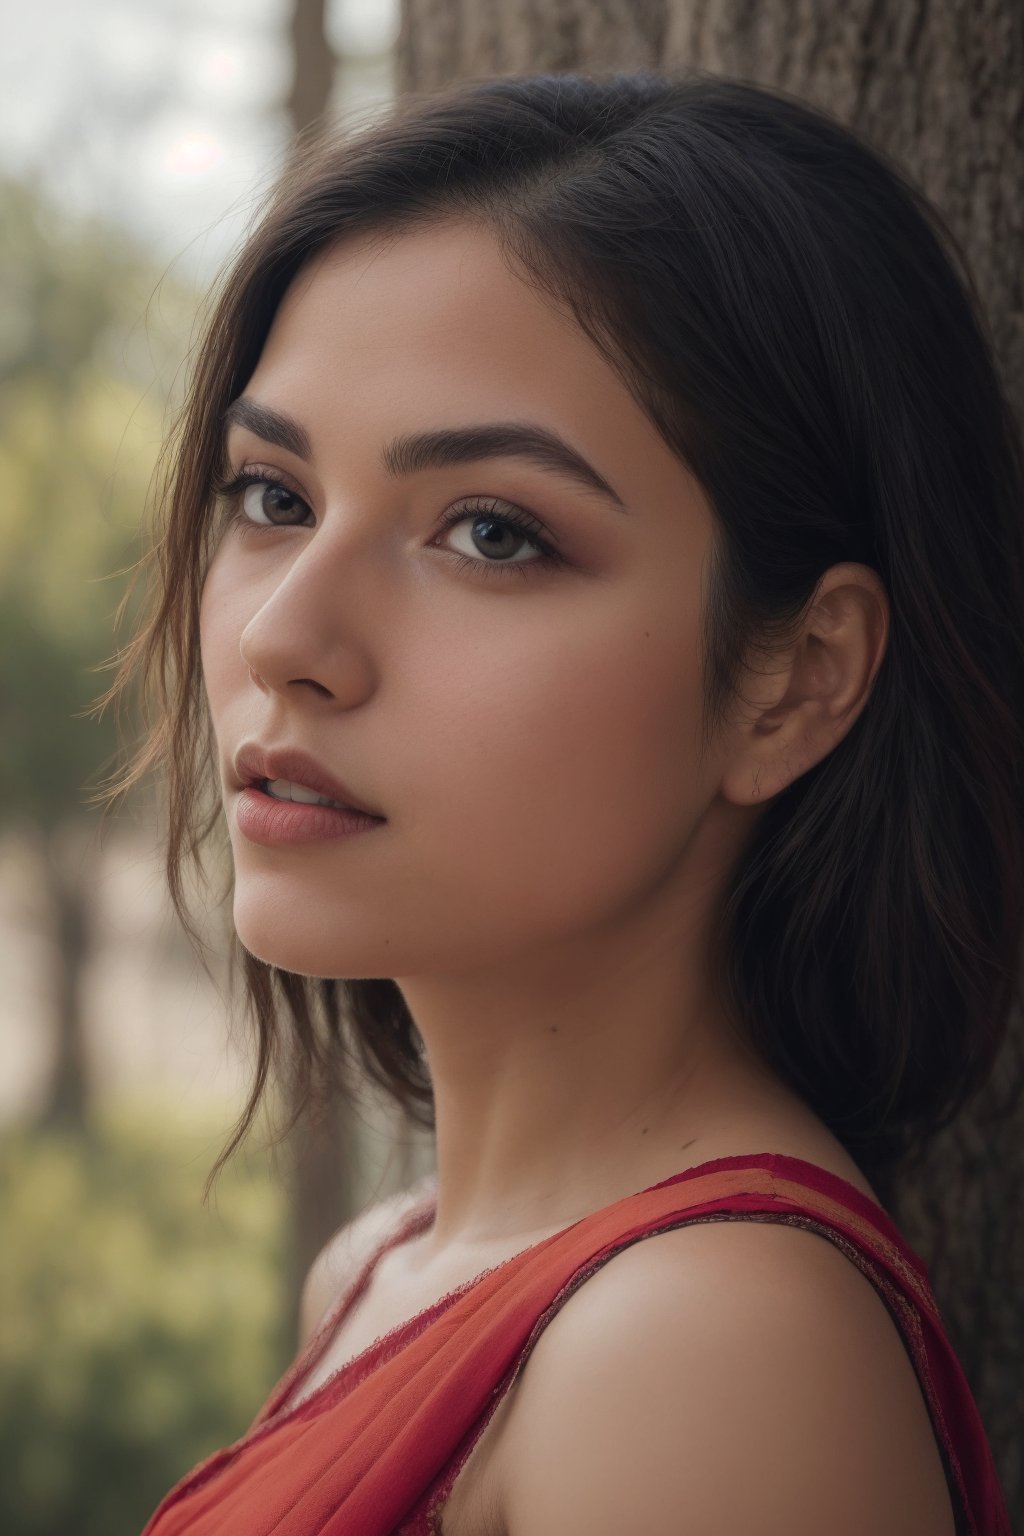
[940,88]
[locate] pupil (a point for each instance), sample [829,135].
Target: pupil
[274,506]
[496,530]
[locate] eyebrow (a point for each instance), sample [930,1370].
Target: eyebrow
[440,448]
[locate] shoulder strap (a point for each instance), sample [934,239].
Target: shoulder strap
[359,1462]
[411,1416]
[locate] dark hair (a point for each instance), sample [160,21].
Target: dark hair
[801,327]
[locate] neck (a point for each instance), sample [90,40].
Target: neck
[563,1086]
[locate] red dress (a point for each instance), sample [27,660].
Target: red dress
[376,1449]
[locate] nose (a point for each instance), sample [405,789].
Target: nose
[304,635]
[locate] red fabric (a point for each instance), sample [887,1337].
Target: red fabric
[375,1449]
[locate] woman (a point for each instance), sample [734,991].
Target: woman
[591,575]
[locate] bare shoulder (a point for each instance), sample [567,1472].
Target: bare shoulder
[726,1376]
[338,1261]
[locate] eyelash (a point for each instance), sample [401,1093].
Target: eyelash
[473,507]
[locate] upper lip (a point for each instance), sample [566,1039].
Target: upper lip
[253,762]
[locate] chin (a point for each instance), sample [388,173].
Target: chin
[303,949]
[283,958]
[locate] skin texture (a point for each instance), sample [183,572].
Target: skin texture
[555,847]
[732,1379]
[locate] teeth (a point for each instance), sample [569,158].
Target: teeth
[284,789]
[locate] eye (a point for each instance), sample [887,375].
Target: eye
[496,528]
[261,498]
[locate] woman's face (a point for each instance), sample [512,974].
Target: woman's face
[526,722]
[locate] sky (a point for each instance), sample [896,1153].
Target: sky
[164,115]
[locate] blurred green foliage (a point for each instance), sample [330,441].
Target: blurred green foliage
[91,344]
[139,1331]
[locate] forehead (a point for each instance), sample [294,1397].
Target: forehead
[436,309]
[432,328]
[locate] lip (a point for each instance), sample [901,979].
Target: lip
[254,763]
[273,823]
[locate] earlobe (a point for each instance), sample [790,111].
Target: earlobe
[753,784]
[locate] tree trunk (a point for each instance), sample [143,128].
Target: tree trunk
[941,89]
[312,65]
[322,1180]
[67,858]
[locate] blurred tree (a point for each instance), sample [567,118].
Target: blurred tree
[939,88]
[72,375]
[137,1330]
[312,65]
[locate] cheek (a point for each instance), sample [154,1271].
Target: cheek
[221,623]
[540,777]
[565,774]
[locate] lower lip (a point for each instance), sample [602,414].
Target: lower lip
[263,819]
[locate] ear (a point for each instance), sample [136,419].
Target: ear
[800,707]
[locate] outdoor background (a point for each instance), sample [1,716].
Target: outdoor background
[140,1330]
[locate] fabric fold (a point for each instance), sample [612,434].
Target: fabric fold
[376,1450]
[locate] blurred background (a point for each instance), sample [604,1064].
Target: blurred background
[140,1329]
